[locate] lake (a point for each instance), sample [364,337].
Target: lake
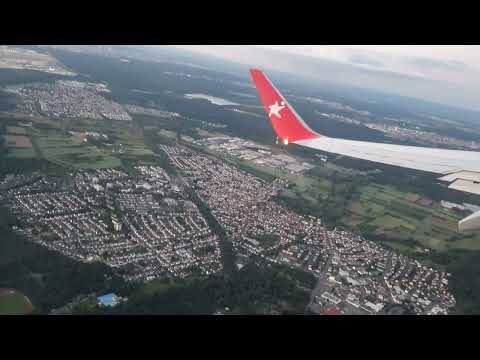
[212,99]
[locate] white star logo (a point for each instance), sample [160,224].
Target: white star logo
[275,109]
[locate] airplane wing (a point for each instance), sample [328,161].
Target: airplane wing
[459,168]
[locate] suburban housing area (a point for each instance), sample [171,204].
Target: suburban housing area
[166,187]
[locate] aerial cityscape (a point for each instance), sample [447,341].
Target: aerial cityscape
[135,184]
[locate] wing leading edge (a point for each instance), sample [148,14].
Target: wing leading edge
[460,168]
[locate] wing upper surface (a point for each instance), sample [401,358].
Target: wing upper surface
[439,161]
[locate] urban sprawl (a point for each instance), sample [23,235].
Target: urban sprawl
[356,275]
[144,226]
[140,225]
[71,99]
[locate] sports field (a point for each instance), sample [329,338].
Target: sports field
[13,302]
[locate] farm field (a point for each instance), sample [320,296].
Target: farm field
[17,141]
[60,150]
[16,130]
[403,219]
[65,143]
[167,133]
[402,216]
[27,153]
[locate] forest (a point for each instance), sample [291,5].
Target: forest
[253,290]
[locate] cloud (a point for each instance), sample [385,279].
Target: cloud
[446,74]
[365,60]
[448,65]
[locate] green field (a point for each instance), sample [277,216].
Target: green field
[131,140]
[394,215]
[390,222]
[397,245]
[60,149]
[311,188]
[167,133]
[138,150]
[52,142]
[14,304]
[126,142]
[16,130]
[21,153]
[382,211]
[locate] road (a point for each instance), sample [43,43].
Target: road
[319,286]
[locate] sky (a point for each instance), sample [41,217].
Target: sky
[448,74]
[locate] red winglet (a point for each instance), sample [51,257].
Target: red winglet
[288,125]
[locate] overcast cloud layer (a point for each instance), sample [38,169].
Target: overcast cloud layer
[444,74]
